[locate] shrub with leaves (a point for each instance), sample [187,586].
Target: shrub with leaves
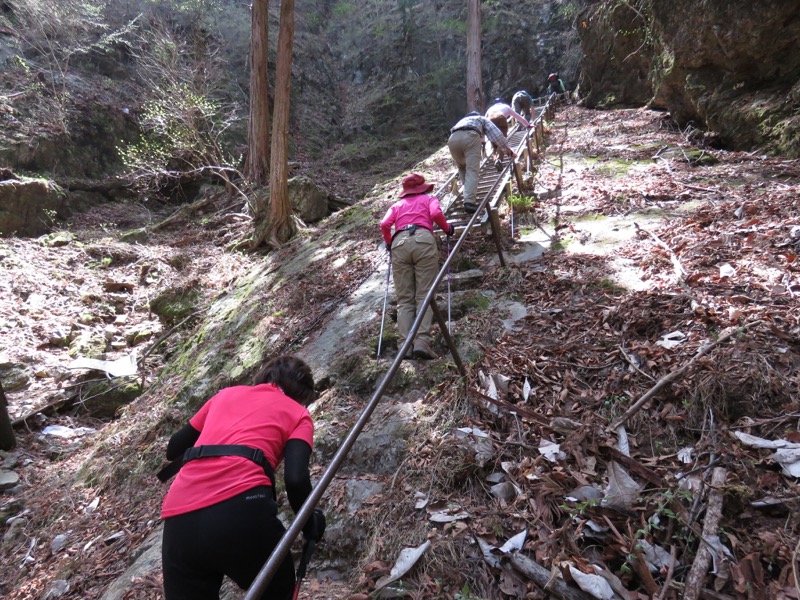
[184,120]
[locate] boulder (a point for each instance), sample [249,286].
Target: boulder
[102,399]
[14,376]
[308,200]
[29,208]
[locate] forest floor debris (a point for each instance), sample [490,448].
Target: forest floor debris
[545,448]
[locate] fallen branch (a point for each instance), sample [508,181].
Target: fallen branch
[644,573]
[699,570]
[513,408]
[680,272]
[545,580]
[633,364]
[670,377]
[182,211]
[705,593]
[670,572]
[699,188]
[636,467]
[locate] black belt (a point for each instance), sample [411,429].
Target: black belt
[216,450]
[466,129]
[412,229]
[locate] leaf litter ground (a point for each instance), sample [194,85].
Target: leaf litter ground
[714,250]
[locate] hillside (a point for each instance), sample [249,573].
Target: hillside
[630,410]
[652,248]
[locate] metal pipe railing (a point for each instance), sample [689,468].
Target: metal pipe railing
[280,552]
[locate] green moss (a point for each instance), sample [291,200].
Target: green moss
[102,399]
[613,168]
[700,158]
[591,216]
[561,244]
[607,102]
[610,286]
[175,304]
[476,303]
[463,262]
[88,345]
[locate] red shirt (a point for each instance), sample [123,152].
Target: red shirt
[260,416]
[421,210]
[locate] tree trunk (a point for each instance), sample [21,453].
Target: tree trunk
[475,99]
[7,439]
[282,227]
[257,163]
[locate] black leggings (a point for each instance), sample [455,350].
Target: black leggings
[234,538]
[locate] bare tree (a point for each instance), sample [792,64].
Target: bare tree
[280,227]
[475,99]
[257,163]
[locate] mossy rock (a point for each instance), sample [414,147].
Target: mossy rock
[88,344]
[175,304]
[700,158]
[56,239]
[135,236]
[362,374]
[102,399]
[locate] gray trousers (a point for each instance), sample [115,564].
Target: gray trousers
[465,148]
[415,262]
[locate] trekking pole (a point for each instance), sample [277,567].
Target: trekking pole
[308,550]
[385,298]
[512,221]
[449,320]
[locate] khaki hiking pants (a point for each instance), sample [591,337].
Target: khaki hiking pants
[415,262]
[465,148]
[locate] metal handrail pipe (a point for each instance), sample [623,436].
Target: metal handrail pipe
[280,552]
[282,549]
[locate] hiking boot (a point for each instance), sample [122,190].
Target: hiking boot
[470,207]
[498,164]
[423,351]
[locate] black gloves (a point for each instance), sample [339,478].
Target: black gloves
[315,526]
[388,246]
[452,230]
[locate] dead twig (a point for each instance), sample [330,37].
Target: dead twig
[513,408]
[699,570]
[644,573]
[794,567]
[634,365]
[680,272]
[670,571]
[670,377]
[543,579]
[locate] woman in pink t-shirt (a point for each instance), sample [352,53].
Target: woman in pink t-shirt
[220,516]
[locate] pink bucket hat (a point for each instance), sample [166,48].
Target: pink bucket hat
[414,184]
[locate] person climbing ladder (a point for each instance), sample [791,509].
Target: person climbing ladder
[415,257]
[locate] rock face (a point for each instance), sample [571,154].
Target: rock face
[731,67]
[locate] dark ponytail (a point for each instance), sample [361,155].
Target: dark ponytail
[292,375]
